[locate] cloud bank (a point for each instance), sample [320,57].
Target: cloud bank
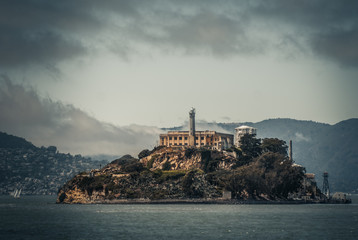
[49,32]
[45,122]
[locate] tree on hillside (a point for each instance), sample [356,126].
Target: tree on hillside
[280,176]
[250,147]
[274,145]
[144,153]
[271,174]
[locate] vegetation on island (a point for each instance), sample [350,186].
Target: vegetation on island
[259,169]
[318,146]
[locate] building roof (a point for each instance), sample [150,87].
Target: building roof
[197,132]
[244,127]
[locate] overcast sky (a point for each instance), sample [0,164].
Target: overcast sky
[109,70]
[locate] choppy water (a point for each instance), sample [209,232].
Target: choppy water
[37,217]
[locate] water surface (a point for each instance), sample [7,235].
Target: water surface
[38,217]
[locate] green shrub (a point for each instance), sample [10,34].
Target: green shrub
[171,175]
[85,183]
[62,197]
[188,187]
[144,153]
[98,187]
[150,163]
[157,173]
[158,194]
[134,166]
[166,166]
[189,152]
[157,148]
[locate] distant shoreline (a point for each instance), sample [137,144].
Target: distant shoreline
[208,201]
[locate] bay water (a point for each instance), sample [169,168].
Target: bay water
[38,217]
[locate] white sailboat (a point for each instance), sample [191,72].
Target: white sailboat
[13,193]
[16,193]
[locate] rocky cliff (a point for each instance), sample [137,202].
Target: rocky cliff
[166,173]
[174,174]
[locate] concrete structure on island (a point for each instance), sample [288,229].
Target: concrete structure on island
[210,139]
[241,131]
[193,138]
[192,128]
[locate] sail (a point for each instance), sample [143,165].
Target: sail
[17,193]
[14,193]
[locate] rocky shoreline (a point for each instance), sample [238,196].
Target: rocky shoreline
[210,201]
[172,175]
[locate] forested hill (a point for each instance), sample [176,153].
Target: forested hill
[317,146]
[37,170]
[10,141]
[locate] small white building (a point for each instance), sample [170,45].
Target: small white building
[241,131]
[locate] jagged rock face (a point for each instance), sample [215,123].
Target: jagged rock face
[144,185]
[72,196]
[169,173]
[175,159]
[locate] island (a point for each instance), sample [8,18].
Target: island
[258,171]
[200,167]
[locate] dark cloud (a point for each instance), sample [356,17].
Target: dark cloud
[338,45]
[329,27]
[47,32]
[45,47]
[45,122]
[210,32]
[40,32]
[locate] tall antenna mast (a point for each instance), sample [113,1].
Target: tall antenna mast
[325,188]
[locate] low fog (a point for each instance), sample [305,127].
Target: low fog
[45,122]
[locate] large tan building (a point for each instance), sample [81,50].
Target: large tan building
[210,139]
[192,138]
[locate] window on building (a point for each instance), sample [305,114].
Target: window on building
[170,138]
[202,138]
[175,138]
[186,138]
[180,138]
[175,144]
[179,144]
[170,144]
[196,138]
[185,144]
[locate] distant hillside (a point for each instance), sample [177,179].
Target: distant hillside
[317,146]
[37,170]
[10,141]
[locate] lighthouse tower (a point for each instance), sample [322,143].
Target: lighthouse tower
[192,127]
